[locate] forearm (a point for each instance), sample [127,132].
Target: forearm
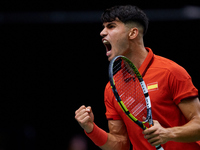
[117,139]
[116,142]
[189,132]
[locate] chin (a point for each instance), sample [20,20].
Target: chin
[110,58]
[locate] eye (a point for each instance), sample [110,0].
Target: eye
[110,26]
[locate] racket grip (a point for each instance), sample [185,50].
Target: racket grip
[159,147]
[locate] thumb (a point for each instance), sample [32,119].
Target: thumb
[89,109]
[155,122]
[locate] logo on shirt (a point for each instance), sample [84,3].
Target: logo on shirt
[152,86]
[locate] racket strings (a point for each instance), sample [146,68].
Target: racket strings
[129,89]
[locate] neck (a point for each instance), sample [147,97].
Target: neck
[137,55]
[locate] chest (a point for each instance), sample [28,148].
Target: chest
[158,87]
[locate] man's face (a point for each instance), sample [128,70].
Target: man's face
[115,38]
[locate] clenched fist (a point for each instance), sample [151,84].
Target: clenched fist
[85,118]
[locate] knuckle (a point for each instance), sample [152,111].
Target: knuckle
[76,112]
[82,122]
[83,106]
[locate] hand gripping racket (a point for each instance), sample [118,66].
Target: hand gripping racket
[130,91]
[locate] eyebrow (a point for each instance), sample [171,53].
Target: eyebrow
[108,24]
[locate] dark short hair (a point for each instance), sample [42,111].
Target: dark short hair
[126,14]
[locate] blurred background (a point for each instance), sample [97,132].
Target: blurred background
[48,50]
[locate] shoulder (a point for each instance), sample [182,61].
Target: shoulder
[107,85]
[107,89]
[108,94]
[171,67]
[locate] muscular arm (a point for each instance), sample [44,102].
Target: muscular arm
[190,132]
[117,136]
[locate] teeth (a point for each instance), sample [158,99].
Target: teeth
[105,42]
[108,52]
[108,46]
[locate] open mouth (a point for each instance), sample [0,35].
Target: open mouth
[108,46]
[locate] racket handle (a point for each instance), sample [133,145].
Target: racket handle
[159,147]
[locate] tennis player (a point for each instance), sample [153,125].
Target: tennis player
[174,98]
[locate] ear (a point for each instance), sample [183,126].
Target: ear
[133,33]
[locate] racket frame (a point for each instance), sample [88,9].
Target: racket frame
[145,91]
[144,88]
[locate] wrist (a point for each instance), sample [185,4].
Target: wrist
[97,135]
[90,128]
[170,134]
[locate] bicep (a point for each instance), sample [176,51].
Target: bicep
[190,108]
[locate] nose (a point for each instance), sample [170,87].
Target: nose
[103,33]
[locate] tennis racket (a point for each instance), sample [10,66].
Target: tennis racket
[130,91]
